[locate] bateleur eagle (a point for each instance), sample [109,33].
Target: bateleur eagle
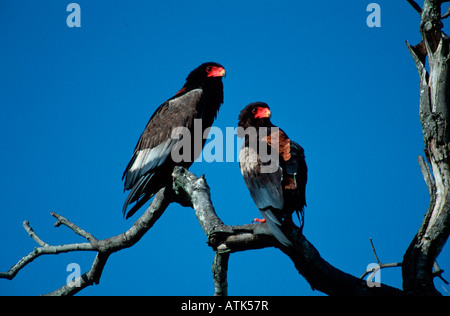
[151,165]
[279,191]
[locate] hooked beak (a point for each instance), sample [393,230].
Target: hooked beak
[263,113]
[217,72]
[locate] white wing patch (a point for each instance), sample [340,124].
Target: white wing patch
[152,157]
[148,159]
[145,160]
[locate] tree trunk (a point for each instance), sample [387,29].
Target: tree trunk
[434,109]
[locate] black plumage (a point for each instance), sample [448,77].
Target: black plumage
[151,165]
[281,191]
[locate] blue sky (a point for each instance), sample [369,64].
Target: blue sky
[73,102]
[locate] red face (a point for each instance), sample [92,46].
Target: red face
[260,112]
[213,71]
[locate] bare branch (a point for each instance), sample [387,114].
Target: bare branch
[438,272]
[33,235]
[77,230]
[446,14]
[374,251]
[104,247]
[89,278]
[46,250]
[380,265]
[415,6]
[220,271]
[227,239]
[199,196]
[222,238]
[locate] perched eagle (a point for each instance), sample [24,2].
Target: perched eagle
[276,191]
[151,165]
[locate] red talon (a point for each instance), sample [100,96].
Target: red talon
[257,220]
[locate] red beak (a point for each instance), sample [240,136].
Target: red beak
[263,113]
[217,72]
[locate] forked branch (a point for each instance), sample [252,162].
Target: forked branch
[224,239]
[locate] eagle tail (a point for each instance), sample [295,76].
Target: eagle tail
[138,194]
[275,226]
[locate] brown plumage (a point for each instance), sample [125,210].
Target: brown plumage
[280,190]
[151,165]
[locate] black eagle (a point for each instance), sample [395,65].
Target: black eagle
[151,165]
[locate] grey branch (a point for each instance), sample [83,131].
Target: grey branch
[446,14]
[220,271]
[438,272]
[418,261]
[77,230]
[104,248]
[44,249]
[380,265]
[89,278]
[30,231]
[224,239]
[228,239]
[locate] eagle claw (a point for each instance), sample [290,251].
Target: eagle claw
[257,220]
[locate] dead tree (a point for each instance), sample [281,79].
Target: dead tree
[419,259]
[418,266]
[190,191]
